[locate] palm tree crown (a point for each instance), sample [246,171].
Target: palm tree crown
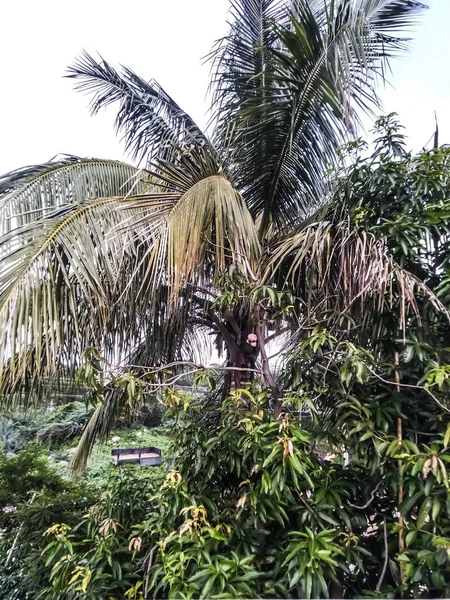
[129,259]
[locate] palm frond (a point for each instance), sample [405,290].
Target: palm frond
[31,193]
[361,38]
[152,123]
[239,59]
[281,125]
[59,270]
[57,277]
[113,272]
[347,272]
[196,223]
[98,427]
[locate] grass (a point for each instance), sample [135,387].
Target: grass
[99,463]
[31,426]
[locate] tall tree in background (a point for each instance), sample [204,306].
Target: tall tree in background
[202,234]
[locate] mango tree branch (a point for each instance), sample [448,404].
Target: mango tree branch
[386,558]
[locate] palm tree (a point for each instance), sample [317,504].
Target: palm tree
[203,234]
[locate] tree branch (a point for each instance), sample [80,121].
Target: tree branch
[267,373]
[386,558]
[414,387]
[371,499]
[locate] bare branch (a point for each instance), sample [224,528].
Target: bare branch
[386,558]
[414,387]
[371,499]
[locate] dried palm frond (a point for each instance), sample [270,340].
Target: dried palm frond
[334,267]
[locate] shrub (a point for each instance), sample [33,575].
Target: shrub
[252,509]
[33,497]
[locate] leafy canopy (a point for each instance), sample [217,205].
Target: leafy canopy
[347,493]
[128,259]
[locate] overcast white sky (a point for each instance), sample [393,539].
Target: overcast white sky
[41,115]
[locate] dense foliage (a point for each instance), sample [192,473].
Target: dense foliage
[52,427]
[316,465]
[346,494]
[251,509]
[33,496]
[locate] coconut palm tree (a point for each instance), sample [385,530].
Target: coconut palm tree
[202,233]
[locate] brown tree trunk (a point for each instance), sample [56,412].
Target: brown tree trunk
[237,358]
[267,373]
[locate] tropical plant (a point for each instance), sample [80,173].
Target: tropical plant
[33,497]
[133,260]
[346,495]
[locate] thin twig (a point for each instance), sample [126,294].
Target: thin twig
[276,334]
[371,499]
[386,558]
[184,363]
[149,560]
[267,373]
[401,538]
[414,387]
[173,380]
[13,547]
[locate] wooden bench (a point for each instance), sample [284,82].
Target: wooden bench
[146,457]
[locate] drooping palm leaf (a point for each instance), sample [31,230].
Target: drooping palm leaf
[108,272]
[98,427]
[49,280]
[56,282]
[196,223]
[151,121]
[335,268]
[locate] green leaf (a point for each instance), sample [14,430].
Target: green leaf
[393,568]
[407,504]
[249,576]
[437,579]
[436,508]
[447,436]
[424,512]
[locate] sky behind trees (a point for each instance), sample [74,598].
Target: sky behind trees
[41,115]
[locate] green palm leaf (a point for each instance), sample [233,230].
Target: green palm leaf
[151,121]
[289,77]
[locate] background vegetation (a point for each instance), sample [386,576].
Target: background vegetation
[345,495]
[315,464]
